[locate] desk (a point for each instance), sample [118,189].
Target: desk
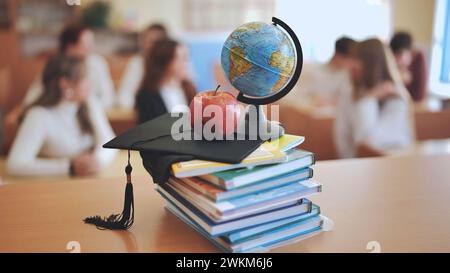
[401,202]
[318,129]
[121,119]
[427,147]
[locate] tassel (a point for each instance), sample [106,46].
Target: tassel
[121,221]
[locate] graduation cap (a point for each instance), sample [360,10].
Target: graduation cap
[159,150]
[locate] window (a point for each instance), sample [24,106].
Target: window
[319,23]
[445,70]
[225,15]
[440,58]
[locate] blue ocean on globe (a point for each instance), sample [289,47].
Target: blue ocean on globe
[258,59]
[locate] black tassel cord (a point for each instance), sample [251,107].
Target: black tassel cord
[124,220]
[121,221]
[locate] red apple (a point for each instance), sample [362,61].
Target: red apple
[224,102]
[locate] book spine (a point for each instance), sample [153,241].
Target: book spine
[210,195]
[211,178]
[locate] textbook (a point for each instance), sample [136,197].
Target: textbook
[269,152]
[253,206]
[275,235]
[216,229]
[217,194]
[274,238]
[248,204]
[241,235]
[232,179]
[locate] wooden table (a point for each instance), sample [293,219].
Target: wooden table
[427,147]
[400,202]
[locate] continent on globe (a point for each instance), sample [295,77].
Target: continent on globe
[258,59]
[238,65]
[286,66]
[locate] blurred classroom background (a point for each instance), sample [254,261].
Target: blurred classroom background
[30,31]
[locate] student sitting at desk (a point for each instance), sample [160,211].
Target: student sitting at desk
[376,112]
[134,71]
[322,83]
[75,40]
[166,83]
[62,132]
[411,64]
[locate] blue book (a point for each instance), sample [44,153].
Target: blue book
[220,228]
[278,237]
[273,236]
[245,234]
[232,179]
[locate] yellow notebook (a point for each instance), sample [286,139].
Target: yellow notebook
[269,152]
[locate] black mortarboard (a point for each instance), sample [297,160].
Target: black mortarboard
[158,149]
[156,136]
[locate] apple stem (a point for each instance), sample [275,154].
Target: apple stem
[217,89]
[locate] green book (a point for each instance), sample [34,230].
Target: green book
[232,179]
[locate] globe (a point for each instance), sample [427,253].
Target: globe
[258,59]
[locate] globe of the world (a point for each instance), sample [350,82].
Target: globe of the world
[258,59]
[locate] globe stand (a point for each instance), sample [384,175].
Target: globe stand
[266,129]
[263,129]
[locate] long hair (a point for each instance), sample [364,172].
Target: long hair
[70,35]
[379,66]
[375,70]
[57,68]
[156,64]
[400,87]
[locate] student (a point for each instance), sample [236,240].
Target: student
[411,64]
[76,40]
[134,71]
[166,83]
[375,112]
[321,83]
[63,131]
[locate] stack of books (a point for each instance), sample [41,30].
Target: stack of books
[254,206]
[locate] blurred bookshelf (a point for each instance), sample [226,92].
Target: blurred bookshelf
[42,16]
[116,42]
[38,24]
[223,15]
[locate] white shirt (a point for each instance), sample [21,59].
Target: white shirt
[383,127]
[318,80]
[48,138]
[131,80]
[99,76]
[174,98]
